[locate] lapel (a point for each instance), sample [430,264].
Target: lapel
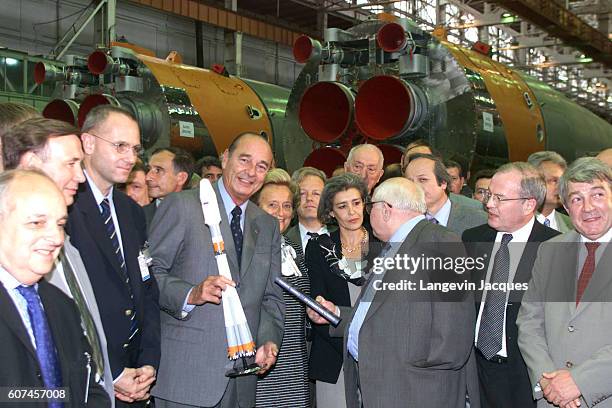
[600,281]
[128,229]
[525,265]
[10,315]
[251,231]
[404,248]
[86,204]
[226,233]
[484,248]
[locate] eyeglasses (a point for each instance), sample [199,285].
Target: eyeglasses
[122,147]
[370,204]
[497,198]
[371,170]
[482,191]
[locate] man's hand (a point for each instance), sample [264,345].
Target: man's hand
[266,356]
[146,375]
[134,384]
[317,318]
[210,290]
[560,389]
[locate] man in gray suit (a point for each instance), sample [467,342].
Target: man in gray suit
[552,166]
[565,324]
[54,148]
[407,347]
[194,344]
[442,208]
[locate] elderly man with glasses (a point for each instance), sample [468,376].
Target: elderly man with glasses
[508,243]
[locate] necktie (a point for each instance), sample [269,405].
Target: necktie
[492,320]
[312,235]
[112,235]
[237,232]
[86,319]
[546,222]
[587,270]
[45,347]
[431,218]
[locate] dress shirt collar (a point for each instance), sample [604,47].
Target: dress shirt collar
[304,232]
[229,204]
[402,232]
[443,213]
[98,196]
[8,280]
[605,238]
[520,235]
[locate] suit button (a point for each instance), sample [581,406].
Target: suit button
[125,345]
[569,364]
[128,312]
[570,329]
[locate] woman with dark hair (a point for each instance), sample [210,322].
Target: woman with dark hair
[337,264]
[286,385]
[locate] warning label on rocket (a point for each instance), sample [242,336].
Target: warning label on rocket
[186,129]
[487,122]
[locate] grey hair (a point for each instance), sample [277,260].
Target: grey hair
[300,174]
[6,180]
[355,149]
[532,181]
[335,185]
[536,159]
[584,170]
[279,177]
[396,192]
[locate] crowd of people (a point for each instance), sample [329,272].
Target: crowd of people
[112,294]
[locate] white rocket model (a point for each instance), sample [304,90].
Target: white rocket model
[239,339]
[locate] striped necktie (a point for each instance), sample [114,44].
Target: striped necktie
[112,235]
[45,346]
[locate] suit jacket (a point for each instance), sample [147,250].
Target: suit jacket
[20,367]
[563,222]
[149,213]
[55,278]
[293,233]
[88,234]
[462,217]
[479,243]
[556,334]
[194,348]
[465,201]
[414,347]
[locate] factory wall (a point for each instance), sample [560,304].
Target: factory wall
[32,26]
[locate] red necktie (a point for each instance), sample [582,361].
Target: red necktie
[587,270]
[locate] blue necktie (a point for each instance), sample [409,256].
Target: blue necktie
[237,232]
[547,222]
[45,347]
[112,234]
[431,218]
[492,320]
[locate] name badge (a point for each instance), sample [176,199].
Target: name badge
[144,259]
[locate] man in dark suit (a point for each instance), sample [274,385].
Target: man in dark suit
[170,169]
[407,347]
[54,147]
[511,239]
[108,229]
[194,340]
[40,329]
[443,207]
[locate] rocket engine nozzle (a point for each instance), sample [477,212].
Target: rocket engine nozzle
[99,62]
[44,72]
[326,111]
[65,110]
[91,102]
[386,107]
[391,37]
[326,159]
[306,48]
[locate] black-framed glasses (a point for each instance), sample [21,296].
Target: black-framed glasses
[122,147]
[497,198]
[370,204]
